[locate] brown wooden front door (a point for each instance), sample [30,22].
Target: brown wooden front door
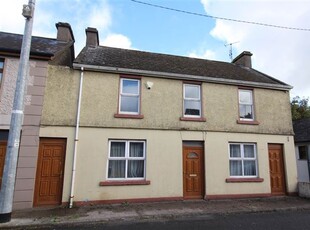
[193,172]
[2,158]
[276,165]
[50,171]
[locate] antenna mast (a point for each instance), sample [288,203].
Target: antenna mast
[230,49]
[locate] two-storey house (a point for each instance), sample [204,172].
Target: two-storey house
[129,125]
[44,52]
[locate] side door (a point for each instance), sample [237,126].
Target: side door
[50,172]
[276,166]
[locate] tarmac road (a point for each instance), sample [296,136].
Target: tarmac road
[283,220]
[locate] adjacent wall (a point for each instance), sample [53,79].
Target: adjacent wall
[27,161]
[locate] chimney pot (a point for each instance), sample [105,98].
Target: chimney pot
[244,59]
[92,38]
[64,32]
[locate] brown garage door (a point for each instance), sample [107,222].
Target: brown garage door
[50,171]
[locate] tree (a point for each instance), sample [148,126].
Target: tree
[300,108]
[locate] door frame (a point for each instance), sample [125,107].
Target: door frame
[280,147]
[5,143]
[195,145]
[49,140]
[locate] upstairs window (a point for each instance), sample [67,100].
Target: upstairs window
[242,160]
[191,100]
[126,160]
[129,100]
[1,69]
[246,108]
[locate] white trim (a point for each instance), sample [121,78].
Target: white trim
[127,158]
[128,95]
[242,159]
[246,104]
[192,99]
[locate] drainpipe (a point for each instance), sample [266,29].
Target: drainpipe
[76,139]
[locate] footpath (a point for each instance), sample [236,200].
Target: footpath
[39,218]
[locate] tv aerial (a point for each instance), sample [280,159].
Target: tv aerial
[230,49]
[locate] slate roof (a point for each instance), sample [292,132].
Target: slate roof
[302,130]
[46,47]
[147,61]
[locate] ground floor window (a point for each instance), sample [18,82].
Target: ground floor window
[126,159]
[242,160]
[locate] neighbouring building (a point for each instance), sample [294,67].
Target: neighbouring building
[302,148]
[44,53]
[128,125]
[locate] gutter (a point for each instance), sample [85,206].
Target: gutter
[76,139]
[180,76]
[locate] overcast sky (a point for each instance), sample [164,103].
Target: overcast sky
[280,53]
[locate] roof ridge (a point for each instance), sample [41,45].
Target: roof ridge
[163,54]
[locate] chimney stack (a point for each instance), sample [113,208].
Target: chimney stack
[243,59]
[64,32]
[92,38]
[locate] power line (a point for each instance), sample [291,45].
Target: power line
[221,18]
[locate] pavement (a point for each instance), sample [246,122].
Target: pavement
[38,218]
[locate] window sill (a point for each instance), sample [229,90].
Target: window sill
[129,116]
[124,182]
[242,122]
[243,180]
[199,119]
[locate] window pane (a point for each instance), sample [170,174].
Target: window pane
[249,151]
[192,91]
[235,151]
[246,111]
[136,149]
[245,97]
[192,107]
[0,78]
[249,168]
[235,168]
[135,168]
[117,149]
[1,64]
[130,86]
[116,169]
[129,104]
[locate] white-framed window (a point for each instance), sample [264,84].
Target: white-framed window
[129,100]
[191,100]
[242,160]
[246,107]
[126,160]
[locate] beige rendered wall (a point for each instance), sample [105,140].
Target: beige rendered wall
[164,162]
[161,105]
[217,163]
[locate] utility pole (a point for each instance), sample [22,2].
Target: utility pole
[9,173]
